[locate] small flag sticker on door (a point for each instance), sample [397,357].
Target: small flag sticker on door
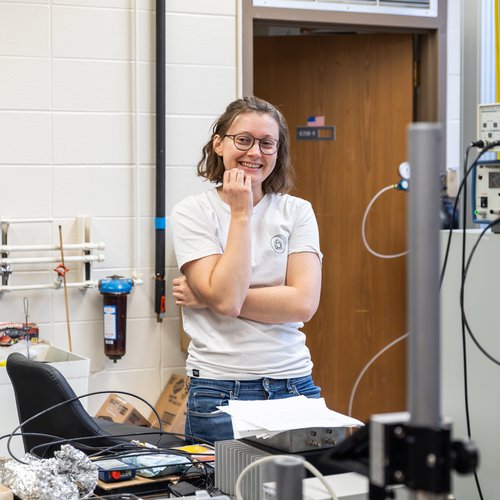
[316,130]
[316,121]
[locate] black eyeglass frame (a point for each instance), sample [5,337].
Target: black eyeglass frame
[233,137]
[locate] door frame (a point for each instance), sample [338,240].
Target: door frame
[430,103]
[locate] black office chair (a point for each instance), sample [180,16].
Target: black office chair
[38,386]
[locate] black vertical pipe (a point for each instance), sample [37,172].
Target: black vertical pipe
[160,162]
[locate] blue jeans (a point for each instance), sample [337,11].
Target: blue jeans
[206,394]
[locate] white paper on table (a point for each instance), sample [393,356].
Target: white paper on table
[278,415]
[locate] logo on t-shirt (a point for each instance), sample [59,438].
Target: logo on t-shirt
[278,243]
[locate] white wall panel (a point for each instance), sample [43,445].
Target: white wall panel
[147,137]
[453,156]
[453,98]
[454,16]
[209,7]
[170,254]
[143,340]
[39,2]
[147,192]
[26,193]
[104,191]
[93,33]
[171,353]
[201,40]
[92,138]
[83,305]
[200,89]
[27,232]
[147,250]
[24,29]
[181,182]
[146,38]
[185,131]
[118,236]
[454,54]
[142,296]
[24,83]
[121,4]
[146,83]
[86,340]
[81,85]
[25,138]
[12,306]
[453,94]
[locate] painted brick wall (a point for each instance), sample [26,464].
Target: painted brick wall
[67,150]
[453,94]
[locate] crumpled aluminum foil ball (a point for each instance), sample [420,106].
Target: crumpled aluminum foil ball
[70,475]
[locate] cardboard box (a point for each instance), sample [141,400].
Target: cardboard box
[6,493]
[119,410]
[171,405]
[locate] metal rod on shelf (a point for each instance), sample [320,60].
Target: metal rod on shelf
[56,285]
[69,246]
[26,220]
[86,247]
[48,286]
[41,260]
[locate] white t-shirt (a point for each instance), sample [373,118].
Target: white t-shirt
[226,348]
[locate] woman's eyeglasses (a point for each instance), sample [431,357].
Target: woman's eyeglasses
[245,142]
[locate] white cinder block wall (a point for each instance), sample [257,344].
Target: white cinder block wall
[453,93]
[67,150]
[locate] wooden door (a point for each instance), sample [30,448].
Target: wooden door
[362,85]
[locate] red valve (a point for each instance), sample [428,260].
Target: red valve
[61,270]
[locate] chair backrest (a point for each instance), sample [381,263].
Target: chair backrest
[38,386]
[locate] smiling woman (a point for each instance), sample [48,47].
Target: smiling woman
[251,270]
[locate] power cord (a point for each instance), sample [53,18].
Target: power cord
[365,369]
[399,186]
[79,440]
[71,400]
[363,225]
[462,294]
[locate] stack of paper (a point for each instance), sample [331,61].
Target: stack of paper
[269,417]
